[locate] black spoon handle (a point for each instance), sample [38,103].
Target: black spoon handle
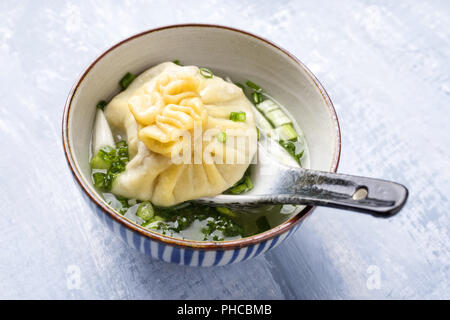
[375,196]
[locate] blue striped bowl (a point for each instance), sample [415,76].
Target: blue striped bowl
[216,47]
[189,256]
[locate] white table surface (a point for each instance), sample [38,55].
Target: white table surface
[386,66]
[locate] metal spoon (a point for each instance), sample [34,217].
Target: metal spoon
[275,183]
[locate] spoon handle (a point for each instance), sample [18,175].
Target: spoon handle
[375,196]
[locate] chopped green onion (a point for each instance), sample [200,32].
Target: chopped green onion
[257,97]
[146,223]
[103,159]
[123,152]
[113,160]
[248,183]
[226,211]
[145,211]
[222,137]
[240,85]
[237,116]
[102,104]
[127,79]
[124,206]
[254,86]
[244,184]
[107,151]
[291,149]
[289,146]
[238,189]
[182,222]
[177,62]
[100,180]
[121,143]
[117,167]
[258,135]
[205,72]
[99,162]
[155,222]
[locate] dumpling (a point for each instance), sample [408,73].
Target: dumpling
[181,140]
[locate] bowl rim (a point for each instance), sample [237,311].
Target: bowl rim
[184,243]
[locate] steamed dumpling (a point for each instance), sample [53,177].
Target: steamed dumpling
[173,118]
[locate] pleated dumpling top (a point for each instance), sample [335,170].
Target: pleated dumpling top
[182,143]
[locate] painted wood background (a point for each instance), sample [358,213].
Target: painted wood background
[386,67]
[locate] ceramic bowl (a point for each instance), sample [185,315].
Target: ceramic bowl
[227,51]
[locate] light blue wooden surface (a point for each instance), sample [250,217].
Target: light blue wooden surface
[386,67]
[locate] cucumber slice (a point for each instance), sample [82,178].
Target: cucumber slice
[286,132]
[266,106]
[278,118]
[261,122]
